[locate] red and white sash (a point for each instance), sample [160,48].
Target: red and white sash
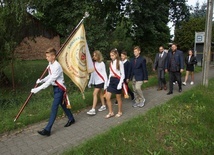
[125,87]
[65,95]
[98,73]
[100,77]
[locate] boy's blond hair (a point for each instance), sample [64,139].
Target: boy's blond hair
[51,51]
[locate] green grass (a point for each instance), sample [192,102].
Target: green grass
[184,125]
[38,108]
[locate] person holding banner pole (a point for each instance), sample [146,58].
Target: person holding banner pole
[56,79]
[115,83]
[99,80]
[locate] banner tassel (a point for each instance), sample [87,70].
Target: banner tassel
[83,95]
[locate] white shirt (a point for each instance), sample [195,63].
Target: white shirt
[55,73]
[161,54]
[95,79]
[189,58]
[124,61]
[120,72]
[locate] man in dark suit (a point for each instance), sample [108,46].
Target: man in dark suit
[159,65]
[175,66]
[139,75]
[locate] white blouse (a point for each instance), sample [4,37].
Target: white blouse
[95,79]
[120,72]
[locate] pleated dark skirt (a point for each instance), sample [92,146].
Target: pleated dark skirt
[112,88]
[101,85]
[190,68]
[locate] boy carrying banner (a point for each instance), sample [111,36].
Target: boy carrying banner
[56,79]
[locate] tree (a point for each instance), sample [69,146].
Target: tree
[178,12]
[185,34]
[63,16]
[121,40]
[198,11]
[12,18]
[149,23]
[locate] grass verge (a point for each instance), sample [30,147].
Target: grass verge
[184,125]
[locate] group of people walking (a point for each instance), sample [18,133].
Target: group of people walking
[173,62]
[121,72]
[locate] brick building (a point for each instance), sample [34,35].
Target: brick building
[36,40]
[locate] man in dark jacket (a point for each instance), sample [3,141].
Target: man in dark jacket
[159,65]
[175,66]
[139,75]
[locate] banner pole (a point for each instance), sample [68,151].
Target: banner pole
[72,33]
[58,53]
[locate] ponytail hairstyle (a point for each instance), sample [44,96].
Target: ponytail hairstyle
[115,52]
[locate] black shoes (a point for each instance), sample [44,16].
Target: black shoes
[48,133]
[69,123]
[44,132]
[169,93]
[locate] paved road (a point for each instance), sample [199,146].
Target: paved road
[28,142]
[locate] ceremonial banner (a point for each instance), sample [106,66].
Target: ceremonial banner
[76,60]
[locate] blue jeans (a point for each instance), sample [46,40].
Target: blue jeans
[58,99]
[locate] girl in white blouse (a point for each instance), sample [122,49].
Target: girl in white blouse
[115,82]
[99,80]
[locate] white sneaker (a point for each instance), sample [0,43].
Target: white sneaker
[184,83]
[135,105]
[191,83]
[91,112]
[173,83]
[142,103]
[102,108]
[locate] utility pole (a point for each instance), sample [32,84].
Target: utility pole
[207,43]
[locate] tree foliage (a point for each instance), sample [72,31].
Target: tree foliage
[112,23]
[198,11]
[185,35]
[149,23]
[178,12]
[12,18]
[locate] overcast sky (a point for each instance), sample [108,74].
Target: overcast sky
[192,2]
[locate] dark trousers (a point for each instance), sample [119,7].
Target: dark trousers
[161,77]
[174,76]
[58,100]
